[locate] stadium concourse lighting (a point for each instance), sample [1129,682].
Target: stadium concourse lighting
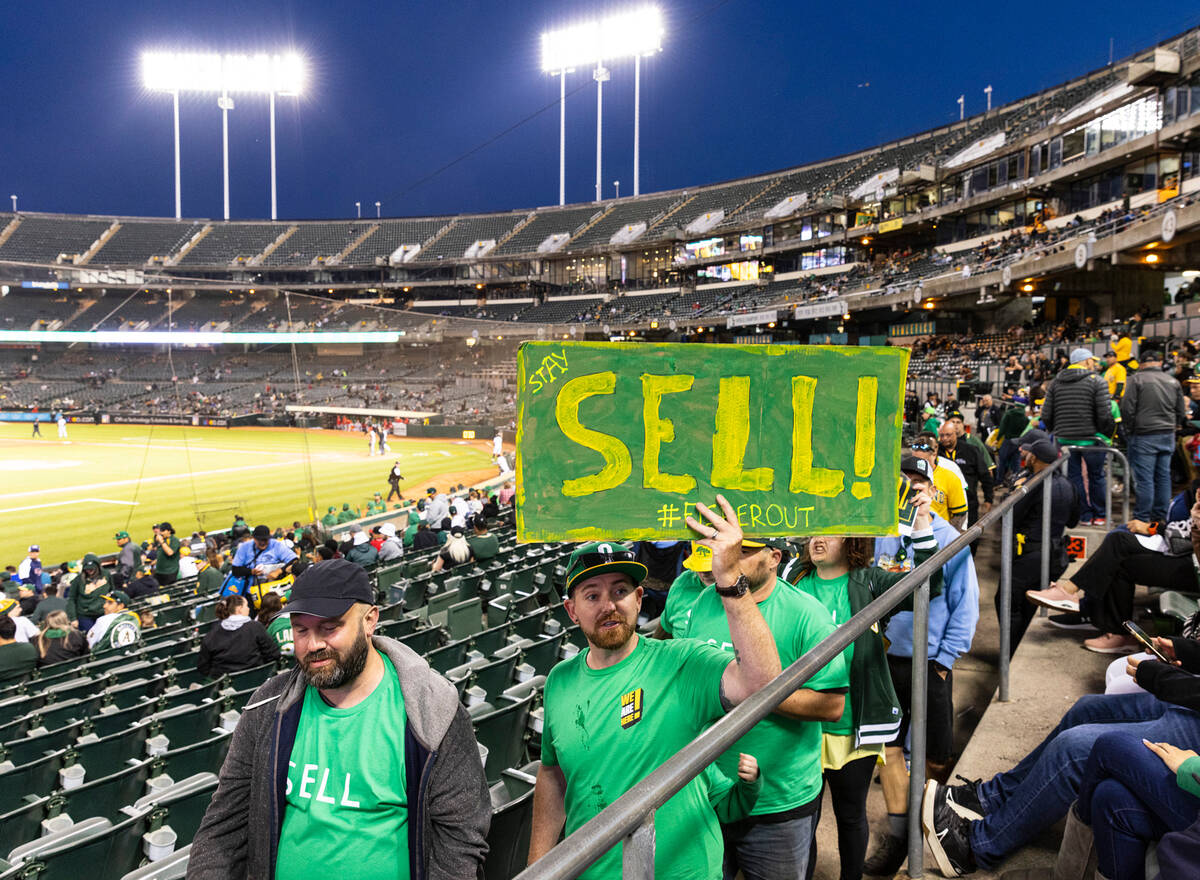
[627,34]
[271,75]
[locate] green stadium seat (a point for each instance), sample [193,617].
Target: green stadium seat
[495,676]
[210,690]
[22,751]
[251,678]
[186,677]
[55,715]
[205,756]
[424,640]
[185,725]
[394,611]
[140,668]
[491,640]
[465,618]
[98,756]
[502,732]
[387,576]
[32,855]
[1178,605]
[107,723]
[25,822]
[135,691]
[512,818]
[64,691]
[38,777]
[55,669]
[107,854]
[448,656]
[576,637]
[414,593]
[543,653]
[435,610]
[105,795]
[173,867]
[531,624]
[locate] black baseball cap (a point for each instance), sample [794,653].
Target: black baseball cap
[910,464]
[166,527]
[261,532]
[1043,449]
[329,588]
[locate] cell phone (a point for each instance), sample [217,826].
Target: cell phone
[1140,634]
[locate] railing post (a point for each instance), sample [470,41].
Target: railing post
[1046,501]
[917,715]
[1006,599]
[1108,484]
[637,851]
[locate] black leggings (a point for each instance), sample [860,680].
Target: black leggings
[848,788]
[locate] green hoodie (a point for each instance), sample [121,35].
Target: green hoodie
[87,593]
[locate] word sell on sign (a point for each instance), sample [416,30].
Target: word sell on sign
[622,441]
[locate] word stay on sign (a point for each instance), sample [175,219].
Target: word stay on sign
[617,441]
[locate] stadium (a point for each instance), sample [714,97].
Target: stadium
[219,374]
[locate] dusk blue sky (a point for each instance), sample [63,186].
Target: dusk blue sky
[400,89]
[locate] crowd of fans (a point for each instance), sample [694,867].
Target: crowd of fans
[1120,766]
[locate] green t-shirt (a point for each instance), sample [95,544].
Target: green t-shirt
[484,546]
[681,595]
[281,631]
[788,751]
[346,788]
[608,728]
[835,596]
[16,660]
[168,565]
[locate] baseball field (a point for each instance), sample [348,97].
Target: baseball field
[71,496]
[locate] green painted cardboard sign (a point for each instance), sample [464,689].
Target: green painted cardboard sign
[620,440]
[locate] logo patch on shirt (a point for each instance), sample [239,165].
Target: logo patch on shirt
[631,708]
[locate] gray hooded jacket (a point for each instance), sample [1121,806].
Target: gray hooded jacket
[449,807]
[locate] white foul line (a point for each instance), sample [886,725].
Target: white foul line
[63,503]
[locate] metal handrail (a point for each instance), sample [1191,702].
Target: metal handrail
[630,817]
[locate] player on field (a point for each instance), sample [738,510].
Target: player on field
[642,700]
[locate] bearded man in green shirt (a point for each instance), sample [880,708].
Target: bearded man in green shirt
[360,760]
[617,710]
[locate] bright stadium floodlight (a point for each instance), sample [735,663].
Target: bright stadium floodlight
[209,72]
[626,34]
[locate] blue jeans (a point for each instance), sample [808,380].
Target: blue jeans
[770,851]
[1008,459]
[1130,798]
[1035,794]
[1091,502]
[1150,461]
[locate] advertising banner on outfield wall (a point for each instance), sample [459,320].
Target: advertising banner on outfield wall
[617,441]
[162,419]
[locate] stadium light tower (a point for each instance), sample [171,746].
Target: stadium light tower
[961,107]
[988,92]
[14,198]
[358,209]
[263,74]
[627,34]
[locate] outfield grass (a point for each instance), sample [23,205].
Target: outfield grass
[72,496]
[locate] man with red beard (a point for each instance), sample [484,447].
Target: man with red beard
[618,709]
[361,758]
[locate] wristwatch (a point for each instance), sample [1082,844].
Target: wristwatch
[737,589]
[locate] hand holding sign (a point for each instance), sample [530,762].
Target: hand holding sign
[723,537]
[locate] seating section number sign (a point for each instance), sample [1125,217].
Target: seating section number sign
[620,440]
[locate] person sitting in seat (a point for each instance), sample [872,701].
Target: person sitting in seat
[117,628]
[58,641]
[236,642]
[17,659]
[1151,554]
[979,823]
